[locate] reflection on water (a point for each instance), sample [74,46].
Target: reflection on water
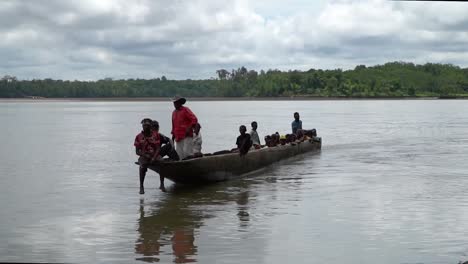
[155,234]
[170,226]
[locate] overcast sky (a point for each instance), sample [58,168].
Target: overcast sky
[94,39]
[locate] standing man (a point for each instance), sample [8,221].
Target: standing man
[183,123]
[254,135]
[296,124]
[147,146]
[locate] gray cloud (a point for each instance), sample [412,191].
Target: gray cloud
[90,39]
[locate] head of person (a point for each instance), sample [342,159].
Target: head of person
[146,124]
[268,140]
[274,139]
[293,137]
[254,125]
[197,128]
[178,102]
[242,130]
[155,125]
[282,140]
[296,116]
[314,132]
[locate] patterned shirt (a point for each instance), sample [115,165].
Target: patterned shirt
[148,145]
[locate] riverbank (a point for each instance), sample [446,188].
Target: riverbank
[164,99]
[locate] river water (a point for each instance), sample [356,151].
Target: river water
[389,186]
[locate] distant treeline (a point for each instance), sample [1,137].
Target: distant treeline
[391,79]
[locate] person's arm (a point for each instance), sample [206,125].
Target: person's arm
[245,145]
[138,151]
[189,115]
[238,143]
[137,145]
[156,154]
[172,130]
[164,139]
[256,138]
[157,147]
[167,140]
[249,142]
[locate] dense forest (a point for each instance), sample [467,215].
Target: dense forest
[395,79]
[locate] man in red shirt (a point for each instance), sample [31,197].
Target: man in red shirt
[183,123]
[147,146]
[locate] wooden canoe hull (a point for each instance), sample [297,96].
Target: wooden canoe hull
[227,166]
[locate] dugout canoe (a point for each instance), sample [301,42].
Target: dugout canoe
[222,167]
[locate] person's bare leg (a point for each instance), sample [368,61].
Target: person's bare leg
[161,184]
[142,180]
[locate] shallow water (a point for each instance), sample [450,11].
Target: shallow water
[389,186]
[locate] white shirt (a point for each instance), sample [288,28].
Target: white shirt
[197,142]
[254,137]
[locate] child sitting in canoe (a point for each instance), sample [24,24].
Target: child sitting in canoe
[243,142]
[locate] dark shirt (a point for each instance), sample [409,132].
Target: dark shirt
[244,142]
[295,125]
[164,139]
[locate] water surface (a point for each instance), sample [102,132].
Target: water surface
[389,186]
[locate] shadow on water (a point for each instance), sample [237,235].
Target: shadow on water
[169,226]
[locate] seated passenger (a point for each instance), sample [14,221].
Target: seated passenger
[276,139]
[311,133]
[283,140]
[197,141]
[293,138]
[243,142]
[254,136]
[304,134]
[268,141]
[166,148]
[300,135]
[147,147]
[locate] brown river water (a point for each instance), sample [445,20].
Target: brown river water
[389,186]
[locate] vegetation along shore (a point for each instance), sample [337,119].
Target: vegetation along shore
[394,80]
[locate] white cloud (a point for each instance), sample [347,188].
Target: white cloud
[192,39]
